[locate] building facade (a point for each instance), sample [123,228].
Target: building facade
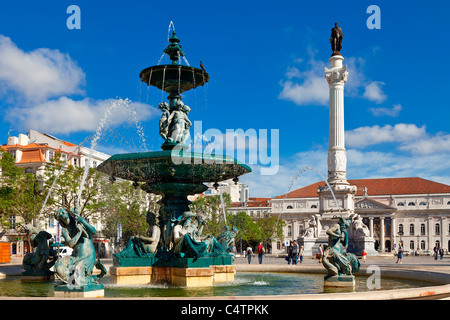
[33,151]
[412,211]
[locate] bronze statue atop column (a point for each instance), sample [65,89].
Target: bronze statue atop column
[336,39]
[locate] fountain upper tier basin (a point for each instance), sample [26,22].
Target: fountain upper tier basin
[174,78]
[169,166]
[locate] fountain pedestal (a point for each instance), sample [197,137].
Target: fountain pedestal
[85,291]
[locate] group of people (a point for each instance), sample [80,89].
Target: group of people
[438,251]
[260,250]
[295,253]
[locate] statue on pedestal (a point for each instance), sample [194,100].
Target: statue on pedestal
[143,246]
[77,269]
[43,258]
[335,258]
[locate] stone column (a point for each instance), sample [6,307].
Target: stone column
[337,158]
[371,226]
[393,232]
[444,231]
[430,233]
[382,246]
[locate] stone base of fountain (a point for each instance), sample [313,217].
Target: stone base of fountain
[86,291]
[185,272]
[345,282]
[37,276]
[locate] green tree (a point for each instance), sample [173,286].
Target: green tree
[125,204]
[20,194]
[66,183]
[210,207]
[271,228]
[248,231]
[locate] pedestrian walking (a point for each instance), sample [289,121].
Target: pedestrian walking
[364,255]
[289,257]
[399,254]
[249,253]
[300,254]
[441,253]
[435,250]
[261,252]
[294,252]
[320,253]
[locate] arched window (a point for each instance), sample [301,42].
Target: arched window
[422,229]
[448,202]
[411,204]
[289,231]
[411,229]
[437,229]
[289,207]
[422,245]
[314,206]
[400,229]
[422,204]
[400,204]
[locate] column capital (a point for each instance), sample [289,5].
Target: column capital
[336,75]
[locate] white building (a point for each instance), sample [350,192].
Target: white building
[237,191]
[33,151]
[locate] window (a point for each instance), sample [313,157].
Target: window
[411,245]
[422,204]
[422,229]
[400,229]
[75,162]
[422,245]
[289,207]
[12,222]
[448,202]
[411,229]
[437,229]
[313,206]
[289,231]
[94,164]
[51,223]
[400,204]
[411,204]
[51,155]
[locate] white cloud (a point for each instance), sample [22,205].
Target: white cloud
[307,85]
[428,145]
[39,74]
[373,92]
[390,112]
[366,136]
[64,115]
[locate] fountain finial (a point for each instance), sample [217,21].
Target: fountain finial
[173,50]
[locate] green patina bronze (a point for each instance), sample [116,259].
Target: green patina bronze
[340,264]
[175,173]
[39,262]
[76,270]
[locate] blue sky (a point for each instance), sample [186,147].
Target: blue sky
[265,60]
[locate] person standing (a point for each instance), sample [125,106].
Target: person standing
[320,253]
[249,253]
[441,253]
[289,257]
[300,254]
[399,254]
[364,255]
[261,252]
[294,252]
[435,250]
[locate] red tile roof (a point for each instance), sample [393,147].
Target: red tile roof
[375,187]
[32,156]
